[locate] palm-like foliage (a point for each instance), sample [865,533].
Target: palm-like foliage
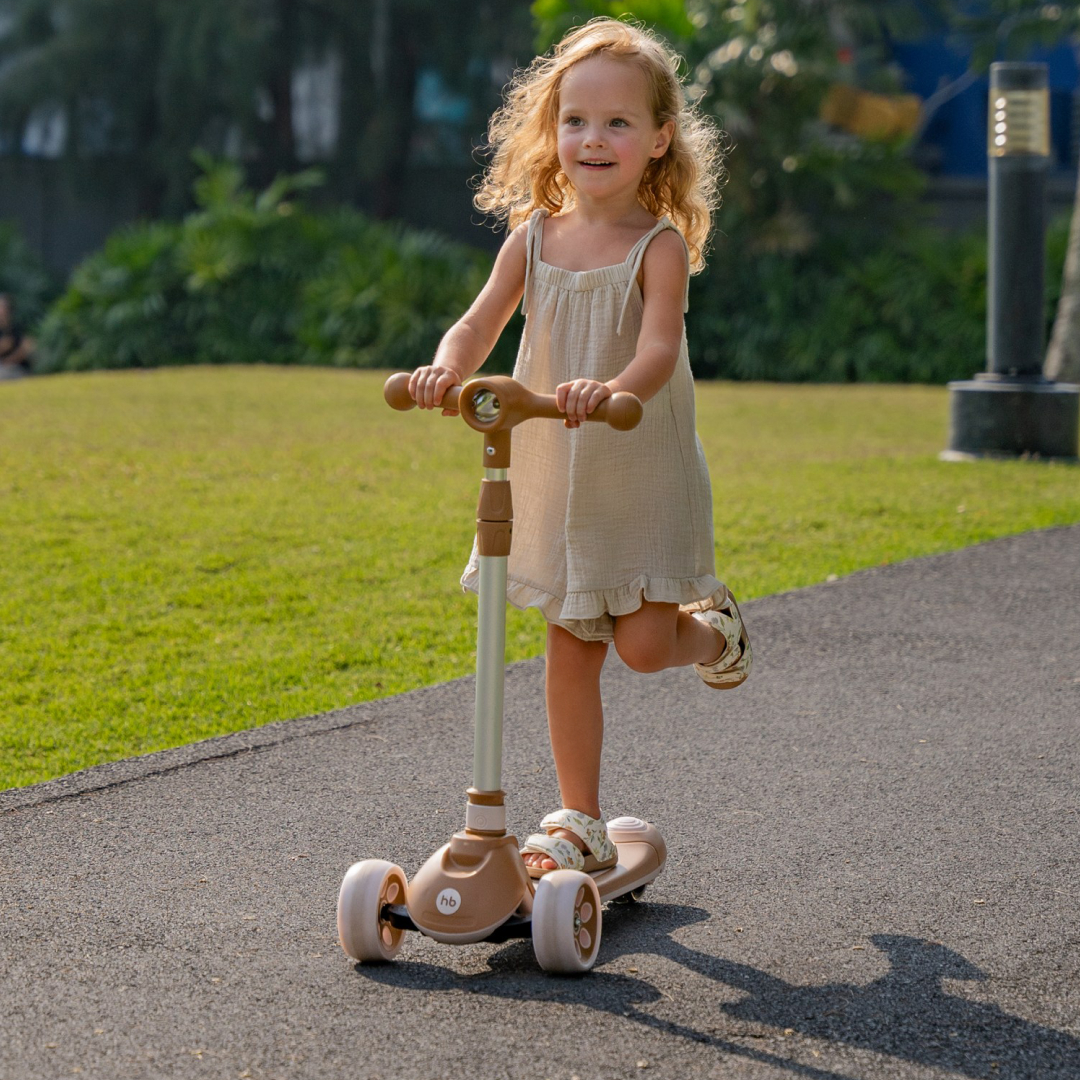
[763,68]
[151,80]
[145,80]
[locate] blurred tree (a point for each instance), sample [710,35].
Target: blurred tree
[143,79]
[149,81]
[1063,355]
[385,44]
[763,69]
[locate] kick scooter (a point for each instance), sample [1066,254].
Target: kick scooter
[476,887]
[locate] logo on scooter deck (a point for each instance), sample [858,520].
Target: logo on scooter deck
[448,901]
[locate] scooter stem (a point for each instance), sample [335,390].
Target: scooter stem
[493,406]
[490,673]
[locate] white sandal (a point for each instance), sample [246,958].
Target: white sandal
[732,667]
[600,853]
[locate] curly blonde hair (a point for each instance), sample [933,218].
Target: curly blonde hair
[524,172]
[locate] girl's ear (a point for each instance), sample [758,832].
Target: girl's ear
[663,139]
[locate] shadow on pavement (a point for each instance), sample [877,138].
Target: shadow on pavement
[906,1014]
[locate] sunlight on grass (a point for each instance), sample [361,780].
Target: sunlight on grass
[194,551]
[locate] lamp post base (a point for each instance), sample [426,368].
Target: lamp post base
[1007,417]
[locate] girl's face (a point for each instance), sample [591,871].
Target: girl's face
[606,130]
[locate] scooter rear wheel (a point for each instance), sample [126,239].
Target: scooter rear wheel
[631,898]
[566,922]
[368,886]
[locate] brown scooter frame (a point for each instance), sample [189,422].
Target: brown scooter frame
[476,888]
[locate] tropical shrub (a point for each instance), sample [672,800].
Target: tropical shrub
[262,279]
[912,310]
[386,301]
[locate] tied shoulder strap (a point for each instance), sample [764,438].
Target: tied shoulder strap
[637,257]
[533,241]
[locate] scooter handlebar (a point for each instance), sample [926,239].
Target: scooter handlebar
[498,403]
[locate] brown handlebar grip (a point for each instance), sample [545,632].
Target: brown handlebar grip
[397,396]
[396,392]
[622,411]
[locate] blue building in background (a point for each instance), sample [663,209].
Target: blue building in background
[954,143]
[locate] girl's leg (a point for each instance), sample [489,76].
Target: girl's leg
[659,636]
[575,722]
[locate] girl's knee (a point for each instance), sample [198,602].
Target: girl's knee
[644,639]
[640,652]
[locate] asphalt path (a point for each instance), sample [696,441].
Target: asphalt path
[874,869]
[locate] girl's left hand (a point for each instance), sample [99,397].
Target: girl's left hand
[578,398]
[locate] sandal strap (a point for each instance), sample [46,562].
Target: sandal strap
[723,615]
[591,831]
[566,854]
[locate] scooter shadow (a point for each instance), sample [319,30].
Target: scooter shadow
[907,1014]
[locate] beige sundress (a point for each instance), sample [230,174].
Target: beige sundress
[602,518]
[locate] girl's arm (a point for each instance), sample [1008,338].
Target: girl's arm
[664,273]
[467,344]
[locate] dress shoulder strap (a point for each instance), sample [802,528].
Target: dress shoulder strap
[534,238]
[637,257]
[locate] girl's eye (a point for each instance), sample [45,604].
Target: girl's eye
[618,123]
[573,121]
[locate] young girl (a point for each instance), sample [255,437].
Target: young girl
[607,180]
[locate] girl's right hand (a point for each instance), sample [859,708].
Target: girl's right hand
[578,398]
[428,384]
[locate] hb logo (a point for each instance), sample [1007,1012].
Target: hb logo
[448,901]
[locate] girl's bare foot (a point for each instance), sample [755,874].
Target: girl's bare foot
[546,863]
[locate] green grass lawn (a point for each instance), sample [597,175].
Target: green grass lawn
[192,551]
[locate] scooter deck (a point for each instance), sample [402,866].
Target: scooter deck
[641,857]
[642,853]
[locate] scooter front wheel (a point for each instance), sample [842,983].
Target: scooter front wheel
[363,932]
[566,922]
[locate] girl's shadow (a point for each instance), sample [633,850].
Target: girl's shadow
[906,1014]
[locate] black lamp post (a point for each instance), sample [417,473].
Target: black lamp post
[1010,409]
